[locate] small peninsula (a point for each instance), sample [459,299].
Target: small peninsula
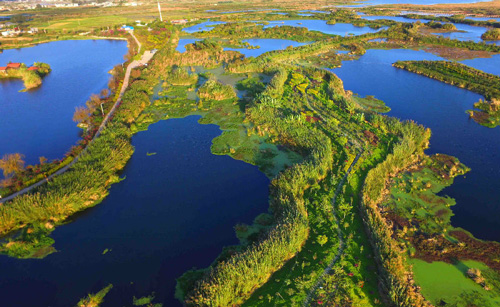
[31,76]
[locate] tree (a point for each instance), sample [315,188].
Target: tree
[12,163]
[104,93]
[93,103]
[81,115]
[322,239]
[42,160]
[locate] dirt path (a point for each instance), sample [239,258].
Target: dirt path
[146,57]
[339,233]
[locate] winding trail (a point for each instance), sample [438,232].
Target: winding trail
[340,251]
[146,57]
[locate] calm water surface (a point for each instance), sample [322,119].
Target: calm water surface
[39,122]
[464,33]
[175,210]
[264,44]
[418,2]
[343,29]
[489,65]
[204,26]
[440,107]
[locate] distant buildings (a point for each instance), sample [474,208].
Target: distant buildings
[13,66]
[16,66]
[127,28]
[16,31]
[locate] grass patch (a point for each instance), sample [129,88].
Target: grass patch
[447,284]
[88,23]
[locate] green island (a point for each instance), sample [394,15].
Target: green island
[357,214]
[491,34]
[487,112]
[31,76]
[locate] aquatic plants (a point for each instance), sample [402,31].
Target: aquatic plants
[214,90]
[94,300]
[491,34]
[32,77]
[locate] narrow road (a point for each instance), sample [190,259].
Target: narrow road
[340,251]
[146,57]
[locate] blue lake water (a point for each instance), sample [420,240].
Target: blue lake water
[466,33]
[418,2]
[483,18]
[342,29]
[313,25]
[315,11]
[265,44]
[394,18]
[471,33]
[181,46]
[440,107]
[175,210]
[489,65]
[39,122]
[204,26]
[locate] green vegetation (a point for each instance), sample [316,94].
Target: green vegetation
[251,29]
[147,301]
[371,103]
[463,76]
[31,78]
[214,90]
[94,300]
[441,26]
[491,34]
[353,197]
[83,186]
[449,283]
[487,113]
[83,24]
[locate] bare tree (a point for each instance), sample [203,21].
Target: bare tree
[105,93]
[81,115]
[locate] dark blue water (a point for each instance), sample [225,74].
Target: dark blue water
[39,122]
[174,210]
[440,107]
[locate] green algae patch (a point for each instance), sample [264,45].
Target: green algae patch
[32,241]
[445,284]
[486,113]
[370,103]
[413,195]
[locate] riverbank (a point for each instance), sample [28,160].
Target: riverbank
[37,174]
[488,85]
